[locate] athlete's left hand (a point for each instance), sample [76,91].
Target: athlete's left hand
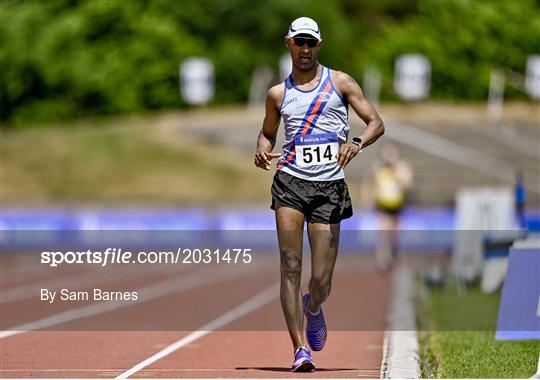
[346,153]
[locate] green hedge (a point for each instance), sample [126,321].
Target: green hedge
[464,40]
[64,58]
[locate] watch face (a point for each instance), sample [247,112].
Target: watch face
[357,140]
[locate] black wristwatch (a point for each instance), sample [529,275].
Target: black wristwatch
[357,141]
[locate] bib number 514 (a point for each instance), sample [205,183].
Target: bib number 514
[319,154]
[311,153]
[319,149]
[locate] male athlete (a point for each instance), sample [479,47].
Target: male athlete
[309,183]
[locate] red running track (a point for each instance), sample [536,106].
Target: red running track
[252,342]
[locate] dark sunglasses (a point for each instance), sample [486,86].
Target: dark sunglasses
[300,41]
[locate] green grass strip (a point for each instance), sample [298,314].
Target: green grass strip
[458,338]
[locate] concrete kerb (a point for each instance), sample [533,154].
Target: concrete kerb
[401,358]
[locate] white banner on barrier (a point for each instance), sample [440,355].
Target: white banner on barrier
[197,80]
[412,77]
[479,210]
[532,76]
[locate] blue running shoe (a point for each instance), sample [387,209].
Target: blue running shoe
[303,361]
[315,326]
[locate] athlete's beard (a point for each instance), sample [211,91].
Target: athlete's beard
[314,64]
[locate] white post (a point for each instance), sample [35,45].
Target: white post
[285,66]
[412,78]
[496,95]
[260,82]
[372,84]
[197,80]
[532,80]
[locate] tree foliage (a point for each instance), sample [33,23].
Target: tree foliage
[68,58]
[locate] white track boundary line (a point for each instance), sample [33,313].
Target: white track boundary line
[63,370]
[384,361]
[241,310]
[401,357]
[80,280]
[18,292]
[163,288]
[151,371]
[451,151]
[506,135]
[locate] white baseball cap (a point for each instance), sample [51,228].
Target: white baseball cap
[304,25]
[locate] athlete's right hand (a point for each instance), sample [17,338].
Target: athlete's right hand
[264,159]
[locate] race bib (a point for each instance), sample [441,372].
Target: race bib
[317,149]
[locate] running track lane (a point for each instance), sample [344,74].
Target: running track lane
[357,294]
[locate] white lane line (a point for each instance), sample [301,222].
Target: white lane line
[63,370]
[447,149]
[510,137]
[158,370]
[151,370]
[241,310]
[384,360]
[19,292]
[201,277]
[80,280]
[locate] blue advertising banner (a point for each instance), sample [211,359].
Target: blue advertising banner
[519,310]
[421,229]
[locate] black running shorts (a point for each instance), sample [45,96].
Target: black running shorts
[325,202]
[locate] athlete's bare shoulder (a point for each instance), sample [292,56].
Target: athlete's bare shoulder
[275,95]
[344,82]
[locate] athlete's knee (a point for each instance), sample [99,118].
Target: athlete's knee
[320,286]
[291,265]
